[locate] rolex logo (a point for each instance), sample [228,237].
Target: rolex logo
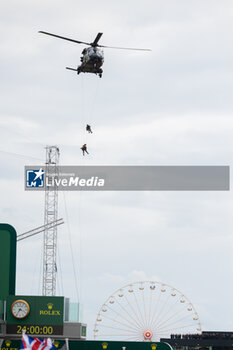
[8,343]
[50,311]
[50,306]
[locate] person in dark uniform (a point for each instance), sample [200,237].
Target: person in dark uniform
[84,149]
[88,128]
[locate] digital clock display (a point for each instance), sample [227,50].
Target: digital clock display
[34,329]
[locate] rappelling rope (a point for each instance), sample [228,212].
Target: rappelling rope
[89,101]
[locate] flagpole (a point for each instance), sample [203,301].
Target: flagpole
[67,344]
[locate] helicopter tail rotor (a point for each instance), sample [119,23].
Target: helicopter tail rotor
[72,69]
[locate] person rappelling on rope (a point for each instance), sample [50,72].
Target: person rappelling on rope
[88,128]
[84,149]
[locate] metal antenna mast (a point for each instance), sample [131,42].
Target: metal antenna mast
[50,215]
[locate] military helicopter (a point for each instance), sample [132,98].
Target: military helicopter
[92,57]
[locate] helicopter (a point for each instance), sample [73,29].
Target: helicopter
[92,58]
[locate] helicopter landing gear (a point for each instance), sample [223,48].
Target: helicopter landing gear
[78,71]
[100,72]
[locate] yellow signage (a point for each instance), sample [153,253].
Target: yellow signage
[50,311]
[8,344]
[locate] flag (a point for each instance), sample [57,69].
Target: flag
[31,343]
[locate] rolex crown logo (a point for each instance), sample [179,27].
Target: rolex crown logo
[8,343]
[50,306]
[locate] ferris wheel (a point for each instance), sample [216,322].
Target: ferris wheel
[146,311]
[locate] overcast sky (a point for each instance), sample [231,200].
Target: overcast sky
[171,106]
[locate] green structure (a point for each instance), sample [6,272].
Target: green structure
[96,345]
[44,315]
[7,260]
[117,345]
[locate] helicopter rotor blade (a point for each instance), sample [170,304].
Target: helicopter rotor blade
[62,37]
[123,48]
[95,42]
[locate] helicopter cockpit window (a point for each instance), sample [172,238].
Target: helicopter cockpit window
[92,51]
[100,53]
